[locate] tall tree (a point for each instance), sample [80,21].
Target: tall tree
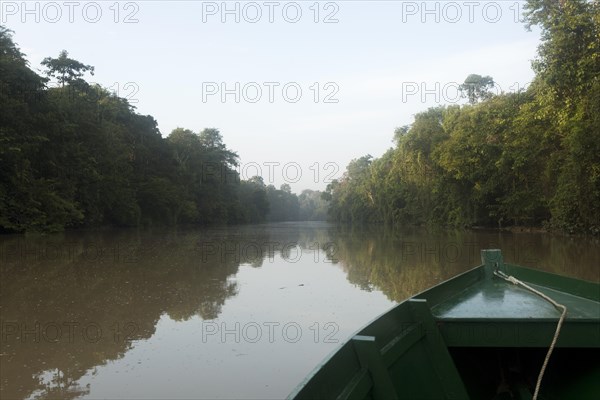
[65,69]
[477,88]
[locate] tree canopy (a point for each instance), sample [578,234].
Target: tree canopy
[77,155]
[477,87]
[65,69]
[526,158]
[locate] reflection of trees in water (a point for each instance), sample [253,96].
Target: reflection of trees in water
[59,385]
[403,263]
[380,259]
[116,283]
[124,281]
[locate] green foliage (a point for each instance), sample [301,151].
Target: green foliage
[528,158]
[65,69]
[283,204]
[253,194]
[77,155]
[476,88]
[312,206]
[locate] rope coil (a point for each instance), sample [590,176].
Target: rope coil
[558,306]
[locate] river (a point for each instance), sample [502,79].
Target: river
[230,312]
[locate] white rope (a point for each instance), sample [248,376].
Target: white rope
[560,307]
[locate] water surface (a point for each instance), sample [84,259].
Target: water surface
[237,312]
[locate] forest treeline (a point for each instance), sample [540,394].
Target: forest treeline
[528,158]
[77,155]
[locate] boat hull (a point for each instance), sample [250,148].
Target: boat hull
[474,336]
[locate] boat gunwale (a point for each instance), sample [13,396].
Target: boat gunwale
[366,326]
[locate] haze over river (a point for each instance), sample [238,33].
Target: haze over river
[230,312]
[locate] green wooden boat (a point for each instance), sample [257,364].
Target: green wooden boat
[478,335]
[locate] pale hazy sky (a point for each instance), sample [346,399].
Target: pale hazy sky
[353,71]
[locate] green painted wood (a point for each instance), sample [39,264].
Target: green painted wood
[370,358]
[519,333]
[330,378]
[396,347]
[496,299]
[451,287]
[492,260]
[389,325]
[407,352]
[438,352]
[359,387]
[414,375]
[576,287]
